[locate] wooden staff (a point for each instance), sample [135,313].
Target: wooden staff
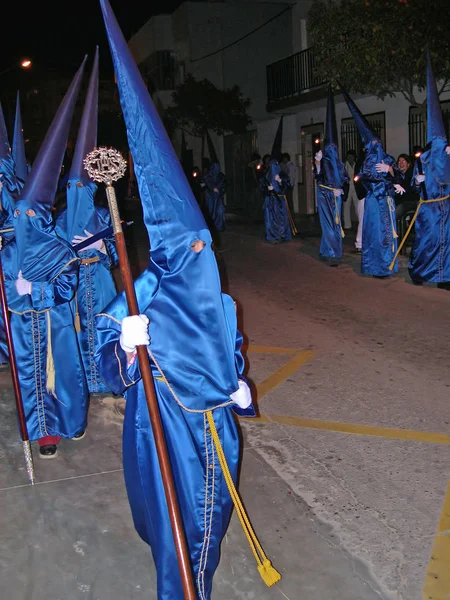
[107,165]
[15,379]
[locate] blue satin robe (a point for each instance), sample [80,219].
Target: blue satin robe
[331,175]
[276,216]
[215,200]
[10,191]
[48,307]
[430,255]
[379,237]
[96,289]
[202,493]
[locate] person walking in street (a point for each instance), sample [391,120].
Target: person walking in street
[381,178]
[430,255]
[330,178]
[276,211]
[81,220]
[41,279]
[189,329]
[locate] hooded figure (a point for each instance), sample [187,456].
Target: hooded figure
[214,182]
[331,177]
[41,275]
[9,191]
[430,256]
[9,185]
[80,220]
[273,185]
[194,347]
[18,149]
[381,177]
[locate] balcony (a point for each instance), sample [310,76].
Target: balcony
[292,81]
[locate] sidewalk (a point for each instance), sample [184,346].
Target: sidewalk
[71,537]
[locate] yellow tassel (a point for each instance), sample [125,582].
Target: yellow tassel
[77,317]
[50,363]
[337,219]
[342,233]
[268,573]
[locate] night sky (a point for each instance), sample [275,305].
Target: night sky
[56,34]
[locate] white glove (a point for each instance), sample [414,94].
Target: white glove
[23,286]
[270,188]
[134,333]
[318,156]
[202,185]
[448,149]
[78,239]
[338,193]
[398,189]
[278,178]
[420,179]
[215,190]
[242,397]
[382,167]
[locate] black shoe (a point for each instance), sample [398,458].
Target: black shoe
[49,451]
[444,285]
[417,282]
[79,436]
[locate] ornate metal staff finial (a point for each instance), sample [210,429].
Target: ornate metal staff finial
[105,165]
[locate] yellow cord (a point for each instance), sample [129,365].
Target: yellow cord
[411,225]
[268,573]
[51,379]
[336,207]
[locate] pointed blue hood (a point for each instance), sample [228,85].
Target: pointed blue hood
[374,148]
[8,177]
[331,136]
[171,213]
[18,149]
[435,157]
[198,356]
[278,142]
[211,150]
[81,213]
[333,171]
[5,149]
[366,132]
[40,253]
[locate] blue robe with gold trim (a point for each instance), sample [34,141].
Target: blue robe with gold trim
[43,331]
[276,215]
[203,496]
[379,238]
[430,255]
[95,290]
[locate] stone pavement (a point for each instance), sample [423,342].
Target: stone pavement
[344,475]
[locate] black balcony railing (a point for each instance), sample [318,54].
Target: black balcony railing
[291,76]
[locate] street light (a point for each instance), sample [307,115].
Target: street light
[24,64]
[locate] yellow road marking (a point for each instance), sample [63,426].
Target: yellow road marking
[437,579]
[355,429]
[270,349]
[283,373]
